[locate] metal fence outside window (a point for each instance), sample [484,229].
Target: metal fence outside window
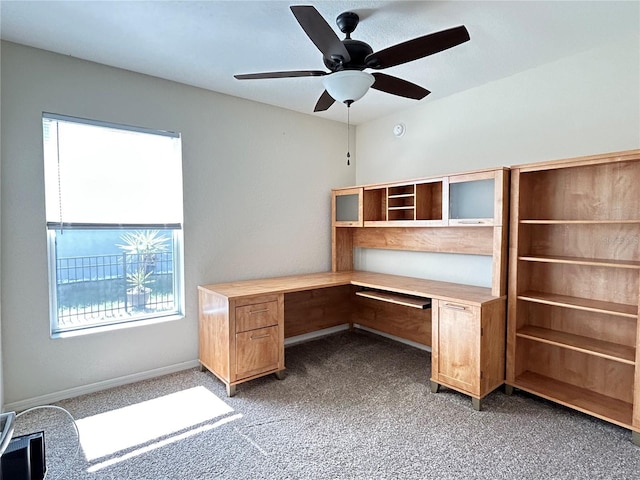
[98,288]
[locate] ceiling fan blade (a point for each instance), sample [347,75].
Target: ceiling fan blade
[293,73]
[324,102]
[397,86]
[417,48]
[320,33]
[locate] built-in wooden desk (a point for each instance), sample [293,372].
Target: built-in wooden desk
[243,324]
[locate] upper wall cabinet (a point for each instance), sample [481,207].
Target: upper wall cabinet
[346,207]
[461,214]
[469,199]
[406,204]
[474,200]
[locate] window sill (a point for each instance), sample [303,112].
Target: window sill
[89,330]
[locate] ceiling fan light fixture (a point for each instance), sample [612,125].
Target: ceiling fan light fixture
[348,85]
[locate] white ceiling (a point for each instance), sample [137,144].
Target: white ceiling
[204,43]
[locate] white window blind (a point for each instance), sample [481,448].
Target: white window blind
[98,173]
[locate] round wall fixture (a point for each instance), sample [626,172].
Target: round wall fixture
[399,129]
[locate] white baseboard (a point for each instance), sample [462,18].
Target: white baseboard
[393,337]
[96,387]
[158,372]
[313,335]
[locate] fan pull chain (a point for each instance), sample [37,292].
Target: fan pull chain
[348,139]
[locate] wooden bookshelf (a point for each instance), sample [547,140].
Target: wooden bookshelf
[574,283]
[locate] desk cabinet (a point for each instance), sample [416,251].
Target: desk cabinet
[241,339]
[468,347]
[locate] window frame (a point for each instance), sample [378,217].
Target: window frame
[177,242]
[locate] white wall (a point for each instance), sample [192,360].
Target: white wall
[581,105]
[257,183]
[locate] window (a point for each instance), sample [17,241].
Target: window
[114,223]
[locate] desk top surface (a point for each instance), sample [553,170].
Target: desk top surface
[381,281]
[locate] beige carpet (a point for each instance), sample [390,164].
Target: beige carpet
[353,406]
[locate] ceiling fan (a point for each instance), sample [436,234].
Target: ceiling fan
[347,59]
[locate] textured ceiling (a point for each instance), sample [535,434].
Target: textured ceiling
[205,43]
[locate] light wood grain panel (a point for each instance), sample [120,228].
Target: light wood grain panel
[375,205]
[312,310]
[405,300]
[469,240]
[513,286]
[401,321]
[599,375]
[593,324]
[608,241]
[612,157]
[617,285]
[589,345]
[257,351]
[608,191]
[582,304]
[429,201]
[214,333]
[381,281]
[342,249]
[636,392]
[492,354]
[275,285]
[457,341]
[584,400]
[258,315]
[423,288]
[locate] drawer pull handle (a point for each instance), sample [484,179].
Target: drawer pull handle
[260,336]
[259,311]
[454,307]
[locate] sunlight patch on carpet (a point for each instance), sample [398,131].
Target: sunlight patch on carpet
[152,420]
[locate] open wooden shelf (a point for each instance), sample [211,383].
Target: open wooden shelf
[596,262]
[591,346]
[581,399]
[574,283]
[588,304]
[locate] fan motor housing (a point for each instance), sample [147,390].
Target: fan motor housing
[358,51]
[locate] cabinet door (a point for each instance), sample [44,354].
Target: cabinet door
[457,343]
[257,351]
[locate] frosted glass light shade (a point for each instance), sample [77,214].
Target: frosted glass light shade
[348,85]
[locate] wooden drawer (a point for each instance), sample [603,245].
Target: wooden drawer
[258,315]
[257,351]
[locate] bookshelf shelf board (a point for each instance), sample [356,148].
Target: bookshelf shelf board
[591,346]
[587,304]
[581,399]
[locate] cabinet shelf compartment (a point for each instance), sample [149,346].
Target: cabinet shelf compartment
[582,399]
[614,244]
[598,192]
[471,202]
[591,346]
[406,204]
[599,379]
[589,331]
[598,283]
